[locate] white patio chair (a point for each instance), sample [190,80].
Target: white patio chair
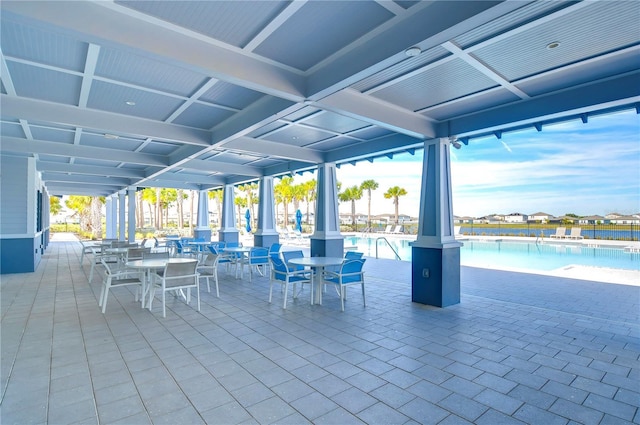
[177,277]
[207,268]
[114,278]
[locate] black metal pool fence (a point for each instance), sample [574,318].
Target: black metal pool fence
[616,232]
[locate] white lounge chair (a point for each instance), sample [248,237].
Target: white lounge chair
[387,229]
[560,233]
[575,233]
[397,230]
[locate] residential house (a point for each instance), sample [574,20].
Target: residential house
[593,219]
[515,218]
[625,219]
[540,217]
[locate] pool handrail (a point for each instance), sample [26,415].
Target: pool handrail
[390,246]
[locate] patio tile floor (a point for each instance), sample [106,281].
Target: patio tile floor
[519,348]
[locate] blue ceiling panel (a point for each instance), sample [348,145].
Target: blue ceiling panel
[409,64]
[202,116]
[45,84]
[266,129]
[8,129]
[370,133]
[298,135]
[52,134]
[468,105]
[333,143]
[226,94]
[321,28]
[303,112]
[513,20]
[615,64]
[142,71]
[100,141]
[112,97]
[37,45]
[334,122]
[96,162]
[159,148]
[232,22]
[597,27]
[54,158]
[450,80]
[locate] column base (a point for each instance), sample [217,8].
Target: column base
[327,247]
[265,240]
[229,236]
[435,276]
[202,233]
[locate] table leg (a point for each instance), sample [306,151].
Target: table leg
[320,273]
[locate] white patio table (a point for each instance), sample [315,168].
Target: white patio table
[317,264]
[238,250]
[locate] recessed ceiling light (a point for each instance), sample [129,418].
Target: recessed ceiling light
[130,102]
[413,51]
[553,45]
[111,136]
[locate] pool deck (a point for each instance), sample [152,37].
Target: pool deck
[519,348]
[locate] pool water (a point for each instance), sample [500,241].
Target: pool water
[517,255]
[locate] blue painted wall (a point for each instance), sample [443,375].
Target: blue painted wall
[20,255]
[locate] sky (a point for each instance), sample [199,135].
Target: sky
[588,168]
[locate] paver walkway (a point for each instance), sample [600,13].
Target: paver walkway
[519,348]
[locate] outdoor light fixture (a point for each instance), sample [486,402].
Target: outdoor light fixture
[553,45]
[454,142]
[413,51]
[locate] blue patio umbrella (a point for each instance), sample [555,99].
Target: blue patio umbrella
[247,216]
[298,221]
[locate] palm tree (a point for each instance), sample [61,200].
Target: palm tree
[369,185]
[217,195]
[250,190]
[352,194]
[241,203]
[310,193]
[284,193]
[54,205]
[395,193]
[149,196]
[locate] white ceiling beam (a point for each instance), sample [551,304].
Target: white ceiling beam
[188,178]
[74,189]
[359,106]
[15,144]
[65,178]
[173,185]
[44,166]
[122,26]
[391,143]
[483,69]
[38,110]
[274,149]
[222,167]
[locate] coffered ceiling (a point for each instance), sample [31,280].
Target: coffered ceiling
[198,94]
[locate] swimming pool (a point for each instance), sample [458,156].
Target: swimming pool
[518,255]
